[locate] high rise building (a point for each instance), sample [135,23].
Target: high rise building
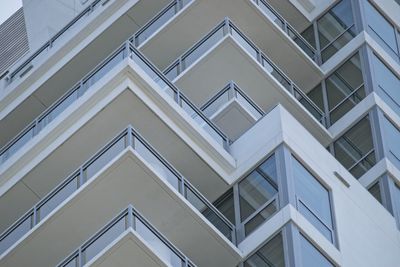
[244,133]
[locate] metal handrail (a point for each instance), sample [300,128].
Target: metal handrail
[180,62]
[79,175]
[130,215]
[50,42]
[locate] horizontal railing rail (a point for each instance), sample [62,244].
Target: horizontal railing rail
[127,50]
[289,30]
[226,28]
[127,138]
[231,91]
[128,219]
[27,65]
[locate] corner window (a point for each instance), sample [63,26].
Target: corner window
[313,200]
[376,191]
[271,254]
[310,256]
[355,149]
[392,139]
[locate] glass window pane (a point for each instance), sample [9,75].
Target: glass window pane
[314,202]
[392,140]
[261,217]
[388,84]
[397,199]
[271,254]
[381,30]
[255,190]
[376,192]
[310,256]
[335,28]
[345,83]
[355,145]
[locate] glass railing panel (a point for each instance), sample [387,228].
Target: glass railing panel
[212,214]
[63,103]
[105,157]
[329,50]
[202,47]
[157,22]
[59,108]
[58,197]
[309,105]
[216,104]
[244,43]
[269,67]
[16,232]
[271,13]
[162,249]
[103,240]
[128,219]
[261,217]
[20,141]
[150,157]
[40,54]
[248,105]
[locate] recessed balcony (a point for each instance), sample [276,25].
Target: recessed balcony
[126,170]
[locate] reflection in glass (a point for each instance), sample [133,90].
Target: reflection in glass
[270,255]
[392,140]
[310,256]
[376,191]
[355,149]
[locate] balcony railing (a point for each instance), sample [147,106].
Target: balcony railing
[231,91]
[159,20]
[124,51]
[128,219]
[20,70]
[226,28]
[270,12]
[128,138]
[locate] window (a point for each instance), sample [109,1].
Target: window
[271,254]
[397,200]
[392,139]
[310,256]
[313,200]
[381,30]
[258,195]
[376,191]
[388,85]
[355,149]
[335,29]
[345,88]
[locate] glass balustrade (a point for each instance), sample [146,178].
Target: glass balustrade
[72,95]
[229,92]
[271,13]
[158,21]
[128,138]
[18,71]
[128,219]
[228,28]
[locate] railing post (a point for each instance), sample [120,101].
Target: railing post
[292,89]
[126,53]
[130,217]
[35,217]
[130,137]
[81,180]
[226,26]
[80,258]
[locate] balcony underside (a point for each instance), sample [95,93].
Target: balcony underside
[233,119]
[128,249]
[202,15]
[121,22]
[127,179]
[227,61]
[125,109]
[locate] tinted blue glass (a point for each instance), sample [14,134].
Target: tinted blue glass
[392,135]
[315,199]
[310,256]
[388,84]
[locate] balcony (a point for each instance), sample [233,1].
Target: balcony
[86,132]
[259,21]
[38,80]
[225,52]
[126,238]
[103,184]
[232,111]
